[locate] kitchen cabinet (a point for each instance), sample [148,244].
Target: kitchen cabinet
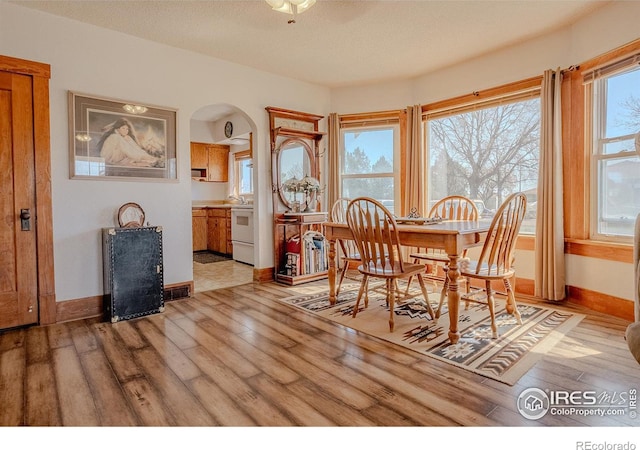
[219,230]
[199,227]
[209,162]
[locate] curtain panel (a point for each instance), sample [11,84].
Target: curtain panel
[549,247]
[333,180]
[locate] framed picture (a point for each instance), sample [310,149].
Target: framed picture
[113,139]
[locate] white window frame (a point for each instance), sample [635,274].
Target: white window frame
[238,158]
[595,112]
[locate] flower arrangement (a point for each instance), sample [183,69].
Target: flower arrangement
[307,185]
[292,185]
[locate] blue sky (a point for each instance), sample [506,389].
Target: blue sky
[620,87]
[376,143]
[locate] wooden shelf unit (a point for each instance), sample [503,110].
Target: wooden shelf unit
[288,126]
[288,227]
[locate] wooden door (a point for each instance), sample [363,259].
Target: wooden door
[18,267]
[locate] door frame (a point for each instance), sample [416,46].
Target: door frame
[40,74]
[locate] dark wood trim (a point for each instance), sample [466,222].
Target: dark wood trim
[81,308]
[604,303]
[25,67]
[88,307]
[526,242]
[40,74]
[263,275]
[483,94]
[610,251]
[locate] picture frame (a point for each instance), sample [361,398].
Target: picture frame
[111,139]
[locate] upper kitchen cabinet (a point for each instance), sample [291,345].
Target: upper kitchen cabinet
[209,162]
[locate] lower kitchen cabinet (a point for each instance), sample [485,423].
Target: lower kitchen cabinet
[199,227]
[219,230]
[211,228]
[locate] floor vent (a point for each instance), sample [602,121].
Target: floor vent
[177,292]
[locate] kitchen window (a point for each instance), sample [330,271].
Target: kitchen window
[243,173]
[614,94]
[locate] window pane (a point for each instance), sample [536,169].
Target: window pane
[486,155]
[379,188]
[622,104]
[245,175]
[368,151]
[619,195]
[368,163]
[616,186]
[624,145]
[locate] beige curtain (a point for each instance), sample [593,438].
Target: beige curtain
[333,179]
[414,183]
[549,249]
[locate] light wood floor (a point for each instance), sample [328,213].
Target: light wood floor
[237,357]
[207,277]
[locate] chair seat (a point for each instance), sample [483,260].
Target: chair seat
[391,270]
[485,272]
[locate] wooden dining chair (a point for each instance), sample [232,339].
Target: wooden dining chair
[376,236]
[348,248]
[497,256]
[453,207]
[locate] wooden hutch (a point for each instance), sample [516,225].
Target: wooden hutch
[300,249]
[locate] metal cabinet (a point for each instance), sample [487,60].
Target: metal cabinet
[133,272]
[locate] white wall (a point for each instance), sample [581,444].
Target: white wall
[608,28]
[91,60]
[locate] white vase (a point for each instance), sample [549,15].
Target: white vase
[312,202]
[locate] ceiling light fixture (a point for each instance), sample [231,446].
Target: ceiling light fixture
[135,109]
[292,7]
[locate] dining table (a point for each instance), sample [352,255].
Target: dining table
[452,236]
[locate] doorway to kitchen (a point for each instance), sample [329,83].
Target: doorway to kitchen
[218,191]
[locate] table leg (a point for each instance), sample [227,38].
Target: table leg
[332,271]
[453,298]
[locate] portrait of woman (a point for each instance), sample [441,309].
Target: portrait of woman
[119,146]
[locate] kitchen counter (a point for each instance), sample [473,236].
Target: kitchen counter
[219,204]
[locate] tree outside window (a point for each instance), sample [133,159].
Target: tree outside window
[486,154]
[368,164]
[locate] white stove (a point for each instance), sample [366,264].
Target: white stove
[242,233]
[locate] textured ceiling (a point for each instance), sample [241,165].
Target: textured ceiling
[335,43]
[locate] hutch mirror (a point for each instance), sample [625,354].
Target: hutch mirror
[294,161]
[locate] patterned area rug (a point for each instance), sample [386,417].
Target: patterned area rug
[206,257]
[505,359]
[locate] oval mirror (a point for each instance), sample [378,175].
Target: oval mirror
[294,161]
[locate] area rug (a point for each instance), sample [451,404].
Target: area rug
[206,257]
[505,359]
